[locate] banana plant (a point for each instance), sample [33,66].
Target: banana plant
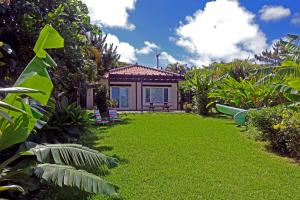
[54,163]
[58,163]
[199,82]
[243,94]
[288,74]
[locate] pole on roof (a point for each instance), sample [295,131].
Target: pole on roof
[157,60]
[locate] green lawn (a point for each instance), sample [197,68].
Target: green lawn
[185,156]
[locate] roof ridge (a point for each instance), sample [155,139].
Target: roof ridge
[143,66]
[120,68]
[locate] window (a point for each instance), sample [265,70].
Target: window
[156,95]
[147,95]
[120,95]
[166,95]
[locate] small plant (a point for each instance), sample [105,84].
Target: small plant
[188,107]
[112,103]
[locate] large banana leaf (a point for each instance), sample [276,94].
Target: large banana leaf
[49,39]
[68,176]
[35,77]
[70,154]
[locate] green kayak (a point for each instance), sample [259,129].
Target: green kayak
[239,115]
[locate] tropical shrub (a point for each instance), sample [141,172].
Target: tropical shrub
[20,114]
[279,126]
[66,122]
[261,122]
[101,99]
[244,93]
[199,82]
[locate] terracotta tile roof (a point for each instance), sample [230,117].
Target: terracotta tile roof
[141,70]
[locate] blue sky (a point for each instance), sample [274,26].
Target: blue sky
[194,32]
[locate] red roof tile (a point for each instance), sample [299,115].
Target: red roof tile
[141,70]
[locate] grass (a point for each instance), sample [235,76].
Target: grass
[185,156]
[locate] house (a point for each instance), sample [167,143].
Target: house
[137,88]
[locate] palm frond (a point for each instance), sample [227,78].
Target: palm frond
[71,154]
[68,176]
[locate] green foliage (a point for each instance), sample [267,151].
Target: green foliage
[35,77]
[244,93]
[49,38]
[19,116]
[20,25]
[199,82]
[104,54]
[291,45]
[177,68]
[101,99]
[70,154]
[280,127]
[53,163]
[66,122]
[69,176]
[272,57]
[237,69]
[7,63]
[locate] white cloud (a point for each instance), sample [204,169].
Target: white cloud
[296,19]
[221,32]
[111,13]
[126,51]
[148,48]
[167,58]
[274,13]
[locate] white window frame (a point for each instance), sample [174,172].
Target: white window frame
[163,94]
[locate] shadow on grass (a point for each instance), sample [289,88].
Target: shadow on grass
[91,140]
[98,132]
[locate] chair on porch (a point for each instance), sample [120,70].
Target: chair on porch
[99,119]
[113,115]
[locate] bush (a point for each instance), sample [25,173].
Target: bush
[188,107]
[101,99]
[279,126]
[66,122]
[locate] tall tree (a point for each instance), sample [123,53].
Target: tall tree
[105,55]
[20,23]
[272,57]
[177,68]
